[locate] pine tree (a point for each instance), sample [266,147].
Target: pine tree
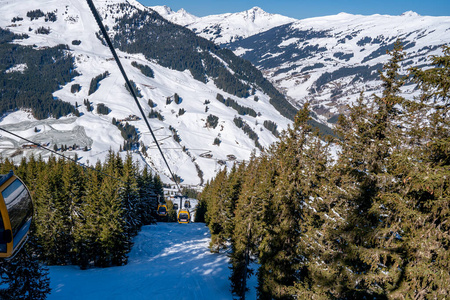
[367,256]
[85,232]
[200,211]
[423,180]
[129,195]
[296,183]
[113,238]
[217,212]
[6,165]
[43,211]
[248,224]
[24,277]
[171,212]
[233,189]
[148,198]
[73,194]
[58,241]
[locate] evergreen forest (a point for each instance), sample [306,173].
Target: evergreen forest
[129,134]
[371,224]
[95,82]
[146,70]
[43,72]
[82,216]
[242,110]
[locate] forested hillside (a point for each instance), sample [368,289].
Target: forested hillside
[42,72]
[55,66]
[178,48]
[82,216]
[371,225]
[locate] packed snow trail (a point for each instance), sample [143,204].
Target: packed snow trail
[168,261]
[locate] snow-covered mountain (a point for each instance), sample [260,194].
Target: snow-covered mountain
[198,133]
[327,61]
[225,28]
[180,17]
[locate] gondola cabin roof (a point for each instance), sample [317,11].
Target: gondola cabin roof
[16,211]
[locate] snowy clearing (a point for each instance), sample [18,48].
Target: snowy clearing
[168,261]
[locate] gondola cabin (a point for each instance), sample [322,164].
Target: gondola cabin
[16,213]
[184,216]
[187,204]
[162,210]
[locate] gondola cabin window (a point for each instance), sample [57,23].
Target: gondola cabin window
[18,202]
[16,214]
[3,239]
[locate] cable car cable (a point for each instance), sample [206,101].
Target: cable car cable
[59,154]
[130,87]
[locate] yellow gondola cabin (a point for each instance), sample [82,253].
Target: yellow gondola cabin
[162,210]
[184,216]
[16,212]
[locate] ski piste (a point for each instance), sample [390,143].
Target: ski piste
[168,261]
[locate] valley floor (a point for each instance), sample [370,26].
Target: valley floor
[168,261]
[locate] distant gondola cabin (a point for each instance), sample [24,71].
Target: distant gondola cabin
[16,211]
[184,216]
[162,210]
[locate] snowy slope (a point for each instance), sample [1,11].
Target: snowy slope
[75,22]
[328,60]
[168,261]
[226,28]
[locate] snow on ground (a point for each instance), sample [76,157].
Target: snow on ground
[168,261]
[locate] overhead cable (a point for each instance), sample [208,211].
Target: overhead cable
[130,87]
[59,154]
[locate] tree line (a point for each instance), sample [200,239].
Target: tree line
[81,216]
[240,123]
[136,90]
[95,82]
[129,134]
[371,224]
[242,110]
[146,70]
[272,127]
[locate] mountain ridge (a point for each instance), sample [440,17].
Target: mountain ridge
[228,27]
[180,104]
[327,61]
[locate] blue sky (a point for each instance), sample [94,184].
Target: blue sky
[301,9]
